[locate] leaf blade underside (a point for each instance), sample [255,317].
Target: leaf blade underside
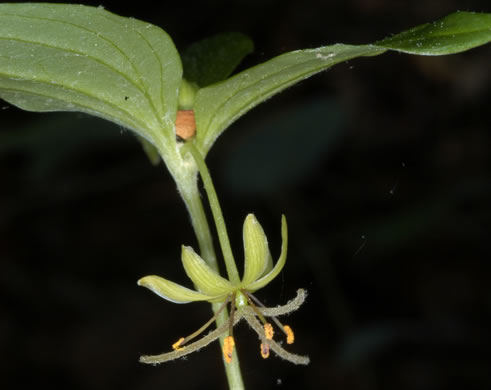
[61,57]
[219,105]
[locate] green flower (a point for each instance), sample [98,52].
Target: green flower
[211,287]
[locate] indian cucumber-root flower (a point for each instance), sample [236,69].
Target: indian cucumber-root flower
[213,288]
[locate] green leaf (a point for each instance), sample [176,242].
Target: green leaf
[219,105]
[213,59]
[60,57]
[453,34]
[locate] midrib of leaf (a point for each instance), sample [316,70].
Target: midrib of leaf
[138,84]
[452,34]
[437,36]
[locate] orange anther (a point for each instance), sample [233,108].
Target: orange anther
[290,337]
[264,350]
[268,331]
[177,345]
[228,348]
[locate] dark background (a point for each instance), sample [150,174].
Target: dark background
[381,166]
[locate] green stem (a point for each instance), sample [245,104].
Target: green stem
[192,199]
[216,210]
[200,225]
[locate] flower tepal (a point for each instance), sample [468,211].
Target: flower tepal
[211,287]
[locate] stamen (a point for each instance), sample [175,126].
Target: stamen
[190,348]
[249,315]
[229,342]
[254,307]
[182,341]
[232,313]
[177,345]
[264,350]
[268,331]
[228,348]
[290,337]
[284,328]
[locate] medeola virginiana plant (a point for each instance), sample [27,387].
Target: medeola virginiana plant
[60,57]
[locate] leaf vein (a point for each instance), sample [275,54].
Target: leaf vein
[81,92]
[268,91]
[137,83]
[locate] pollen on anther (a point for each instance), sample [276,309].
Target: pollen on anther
[290,337]
[268,331]
[177,345]
[228,348]
[264,350]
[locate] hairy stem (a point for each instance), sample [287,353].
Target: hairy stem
[216,210]
[192,199]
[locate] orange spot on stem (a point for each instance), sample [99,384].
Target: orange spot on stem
[185,124]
